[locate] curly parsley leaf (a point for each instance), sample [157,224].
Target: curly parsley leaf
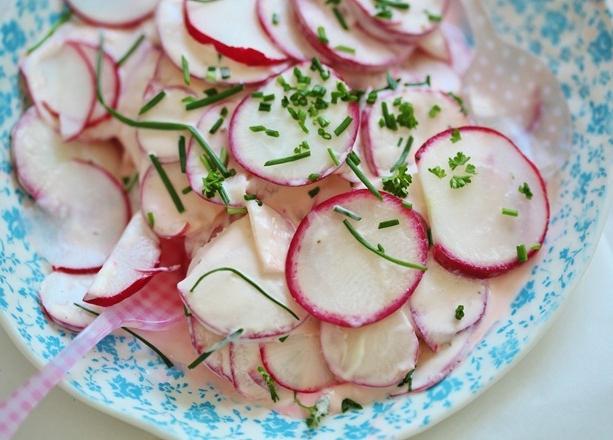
[398,183]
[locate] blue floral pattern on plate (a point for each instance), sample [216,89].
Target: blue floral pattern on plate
[125,379]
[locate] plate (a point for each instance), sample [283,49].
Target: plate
[125,380]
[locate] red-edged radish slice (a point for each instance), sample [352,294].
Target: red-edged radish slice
[298,363]
[470,233]
[69,102]
[247,44]
[278,21]
[435,44]
[434,305]
[225,302]
[129,266]
[165,144]
[351,48]
[87,211]
[202,339]
[214,124]
[59,292]
[245,360]
[442,76]
[258,137]
[202,59]
[272,234]
[366,287]
[433,112]
[432,367]
[113,13]
[167,220]
[39,151]
[377,355]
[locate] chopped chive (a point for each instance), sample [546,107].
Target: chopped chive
[63,18]
[459,312]
[211,91]
[150,219]
[408,380]
[392,84]
[321,35]
[129,182]
[434,18]
[340,18]
[429,236]
[332,155]
[371,248]
[236,210]
[425,82]
[360,175]
[275,18]
[185,68]
[257,128]
[131,50]
[407,205]
[522,254]
[525,190]
[224,156]
[186,311]
[399,143]
[215,98]
[372,97]
[211,74]
[354,157]
[152,102]
[283,338]
[216,126]
[248,281]
[268,98]
[313,177]
[434,111]
[403,156]
[272,133]
[232,337]
[314,192]
[182,154]
[287,159]
[270,384]
[380,247]
[258,94]
[345,49]
[535,247]
[167,183]
[316,65]
[349,405]
[224,112]
[186,190]
[343,126]
[389,223]
[264,107]
[510,212]
[459,101]
[346,212]
[225,72]
[249,197]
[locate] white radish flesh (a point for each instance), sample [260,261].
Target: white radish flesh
[245,360]
[298,363]
[366,287]
[254,149]
[87,211]
[435,45]
[272,234]
[247,43]
[470,233]
[113,13]
[420,66]
[59,292]
[128,267]
[225,302]
[203,339]
[434,305]
[377,355]
[167,220]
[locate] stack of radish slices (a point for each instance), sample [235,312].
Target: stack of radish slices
[303,173]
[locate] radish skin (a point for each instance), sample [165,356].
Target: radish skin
[113,13]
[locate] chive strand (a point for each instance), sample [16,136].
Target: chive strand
[63,18]
[152,102]
[215,98]
[182,154]
[167,183]
[403,156]
[131,50]
[287,159]
[215,347]
[360,175]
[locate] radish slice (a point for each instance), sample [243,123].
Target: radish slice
[203,60]
[435,45]
[247,44]
[366,287]
[225,302]
[468,229]
[377,355]
[384,146]
[39,151]
[442,75]
[432,367]
[297,363]
[350,48]
[87,212]
[59,292]
[113,13]
[278,21]
[245,359]
[129,266]
[202,339]
[254,149]
[434,305]
[167,220]
[165,144]
[272,233]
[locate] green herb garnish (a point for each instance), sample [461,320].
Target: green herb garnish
[347,213]
[152,102]
[398,183]
[525,190]
[232,337]
[167,183]
[348,405]
[522,253]
[408,380]
[459,312]
[389,223]
[270,383]
[215,98]
[510,212]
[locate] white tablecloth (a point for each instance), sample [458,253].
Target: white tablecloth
[562,390]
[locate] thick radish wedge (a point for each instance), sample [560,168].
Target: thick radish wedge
[113,13]
[298,363]
[272,136]
[86,211]
[247,43]
[377,355]
[491,212]
[59,292]
[245,360]
[203,60]
[38,152]
[129,266]
[221,289]
[161,211]
[203,339]
[445,304]
[272,234]
[367,287]
[351,48]
[278,21]
[416,116]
